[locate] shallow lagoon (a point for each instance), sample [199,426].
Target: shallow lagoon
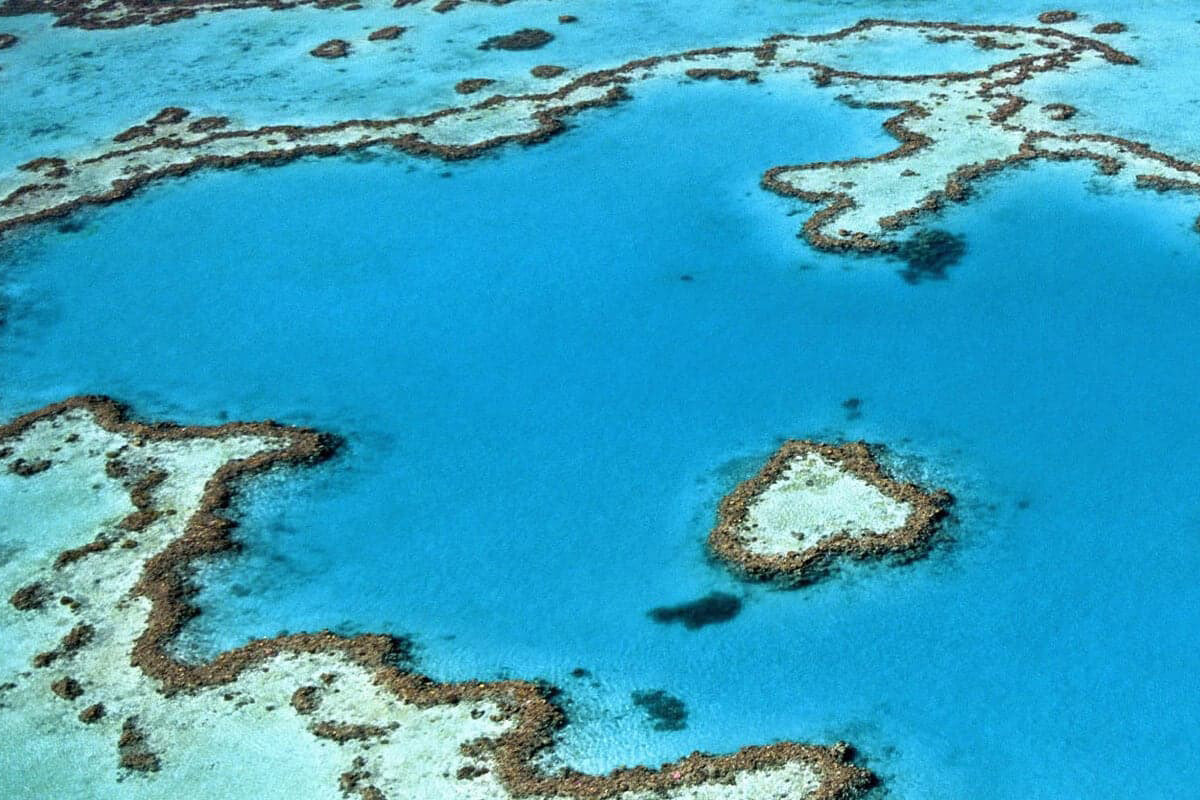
[541,415]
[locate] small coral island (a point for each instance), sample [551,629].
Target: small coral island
[813,502]
[95,609]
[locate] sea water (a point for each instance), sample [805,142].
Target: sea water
[550,363]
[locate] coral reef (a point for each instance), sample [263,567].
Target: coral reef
[927,255]
[1057,17]
[812,503]
[395,732]
[666,712]
[472,85]
[334,48]
[386,34]
[524,39]
[547,71]
[110,14]
[953,128]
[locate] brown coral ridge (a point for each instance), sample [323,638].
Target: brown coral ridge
[29,598]
[748,75]
[141,495]
[171,115]
[306,699]
[206,124]
[386,34]
[93,713]
[1110,27]
[132,750]
[334,48]
[7,40]
[342,732]
[547,71]
[550,122]
[27,469]
[67,688]
[1059,112]
[1056,17]
[49,167]
[804,566]
[78,637]
[166,581]
[472,85]
[524,39]
[112,14]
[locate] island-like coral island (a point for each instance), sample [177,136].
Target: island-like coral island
[813,502]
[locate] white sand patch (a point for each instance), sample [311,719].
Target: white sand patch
[788,782]
[812,500]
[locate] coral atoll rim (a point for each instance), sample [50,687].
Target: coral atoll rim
[920,512]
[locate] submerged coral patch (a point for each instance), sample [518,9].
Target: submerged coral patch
[334,48]
[110,14]
[927,255]
[665,712]
[547,71]
[386,34]
[472,85]
[1056,17]
[524,39]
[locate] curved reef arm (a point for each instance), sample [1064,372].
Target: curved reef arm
[100,626]
[953,128]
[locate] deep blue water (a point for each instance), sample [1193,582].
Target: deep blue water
[541,415]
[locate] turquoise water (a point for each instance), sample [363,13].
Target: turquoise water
[541,415]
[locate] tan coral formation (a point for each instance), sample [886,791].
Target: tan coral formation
[110,14]
[812,503]
[334,48]
[362,721]
[952,128]
[386,34]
